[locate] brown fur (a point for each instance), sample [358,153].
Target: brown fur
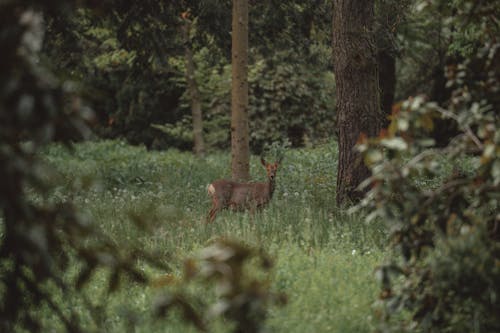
[241,196]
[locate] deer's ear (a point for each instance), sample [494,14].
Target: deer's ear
[263,161]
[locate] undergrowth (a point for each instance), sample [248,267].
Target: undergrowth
[324,257]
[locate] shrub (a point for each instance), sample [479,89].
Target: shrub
[447,232]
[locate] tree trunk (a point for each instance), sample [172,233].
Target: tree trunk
[194,92]
[356,76]
[240,148]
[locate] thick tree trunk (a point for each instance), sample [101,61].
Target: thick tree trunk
[356,75]
[240,148]
[194,93]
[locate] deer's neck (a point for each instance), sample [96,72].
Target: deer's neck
[271,186]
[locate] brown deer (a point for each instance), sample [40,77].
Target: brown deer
[242,196]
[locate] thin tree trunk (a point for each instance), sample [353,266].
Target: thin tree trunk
[240,148]
[356,75]
[388,16]
[387,82]
[194,92]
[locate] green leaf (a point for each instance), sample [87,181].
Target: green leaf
[403,124]
[395,143]
[373,156]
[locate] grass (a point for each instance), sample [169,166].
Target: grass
[325,258]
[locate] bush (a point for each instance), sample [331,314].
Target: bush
[448,233]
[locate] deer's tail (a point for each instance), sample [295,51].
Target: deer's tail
[210,189]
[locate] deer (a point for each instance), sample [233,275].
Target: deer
[242,196]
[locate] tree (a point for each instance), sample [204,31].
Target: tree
[389,15]
[121,66]
[192,85]
[240,147]
[356,75]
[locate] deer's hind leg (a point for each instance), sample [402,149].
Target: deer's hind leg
[212,214]
[216,207]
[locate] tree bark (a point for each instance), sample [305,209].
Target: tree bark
[240,148]
[356,75]
[194,92]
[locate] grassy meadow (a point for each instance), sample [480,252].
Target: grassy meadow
[324,257]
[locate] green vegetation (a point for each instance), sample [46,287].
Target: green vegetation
[324,258]
[446,233]
[103,236]
[134,75]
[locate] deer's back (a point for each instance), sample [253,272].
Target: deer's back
[239,195]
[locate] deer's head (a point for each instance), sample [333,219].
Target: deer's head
[271,168]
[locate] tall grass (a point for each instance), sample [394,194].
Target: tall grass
[324,256]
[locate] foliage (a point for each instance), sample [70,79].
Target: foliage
[291,102]
[123,75]
[288,102]
[436,34]
[128,63]
[447,234]
[39,239]
[42,240]
[422,44]
[240,296]
[304,26]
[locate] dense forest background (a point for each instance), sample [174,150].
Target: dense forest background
[145,88]
[128,62]
[130,66]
